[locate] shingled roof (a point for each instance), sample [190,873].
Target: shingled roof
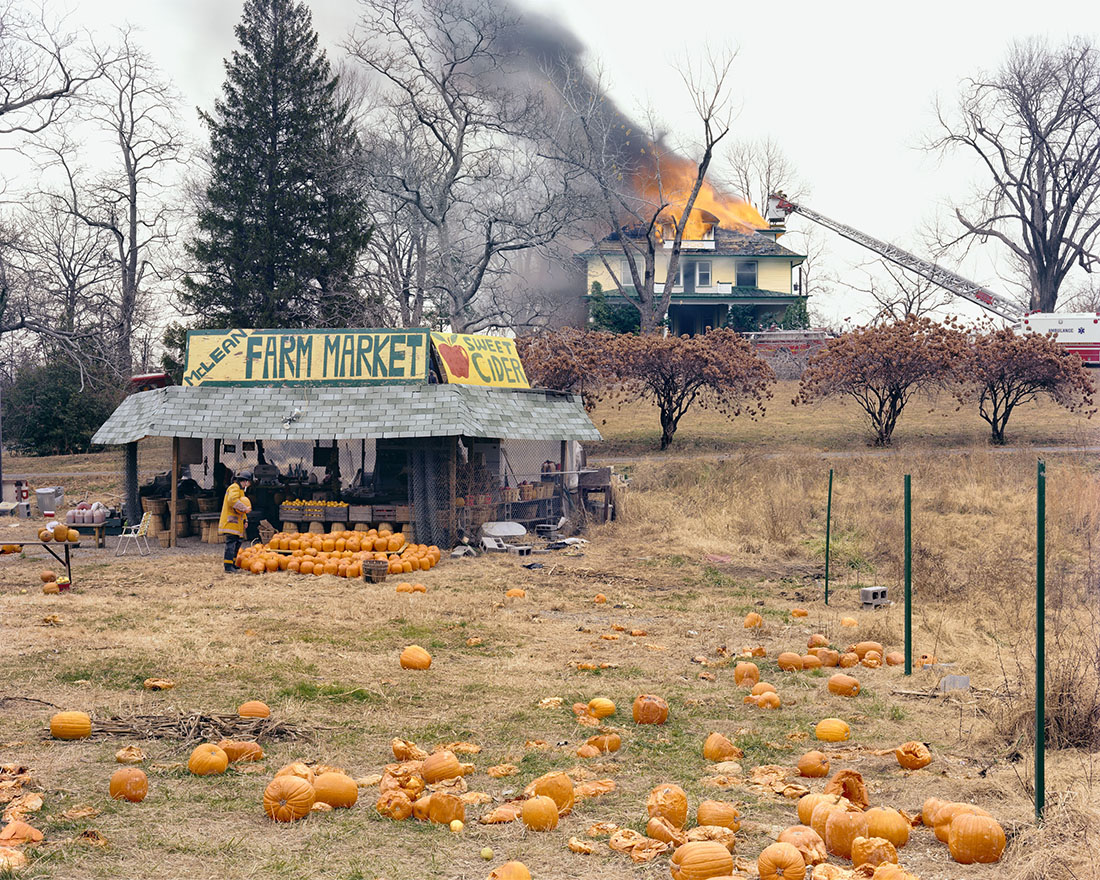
[728,243]
[348,413]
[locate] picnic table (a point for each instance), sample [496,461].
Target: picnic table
[99,532]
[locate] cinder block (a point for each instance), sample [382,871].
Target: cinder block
[873,597]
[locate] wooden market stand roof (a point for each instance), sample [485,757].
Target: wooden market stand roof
[351,412]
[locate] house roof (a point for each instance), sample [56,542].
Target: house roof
[348,413]
[728,242]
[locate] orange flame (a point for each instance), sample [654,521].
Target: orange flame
[672,184]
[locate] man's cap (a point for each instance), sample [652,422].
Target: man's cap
[245,475]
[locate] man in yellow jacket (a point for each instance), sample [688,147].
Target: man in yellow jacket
[234,518]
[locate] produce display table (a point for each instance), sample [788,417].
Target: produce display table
[66,561]
[99,532]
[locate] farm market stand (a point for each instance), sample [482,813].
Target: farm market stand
[433,433]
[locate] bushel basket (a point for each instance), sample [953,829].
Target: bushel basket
[375,570]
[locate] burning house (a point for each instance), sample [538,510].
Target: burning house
[729,257]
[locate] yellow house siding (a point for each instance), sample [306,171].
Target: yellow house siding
[774,275]
[771,273]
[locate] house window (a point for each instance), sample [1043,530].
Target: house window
[679,282]
[702,273]
[746,273]
[625,277]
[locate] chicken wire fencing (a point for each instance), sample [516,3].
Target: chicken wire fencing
[438,490]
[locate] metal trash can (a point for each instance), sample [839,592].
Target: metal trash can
[49,498]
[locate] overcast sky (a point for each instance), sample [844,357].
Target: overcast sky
[847,88]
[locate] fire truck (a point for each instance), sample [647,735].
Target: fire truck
[1079,332]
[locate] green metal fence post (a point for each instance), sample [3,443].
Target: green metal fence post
[1040,637]
[828,526]
[908,576]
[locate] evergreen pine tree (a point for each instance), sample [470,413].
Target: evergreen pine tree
[282,227]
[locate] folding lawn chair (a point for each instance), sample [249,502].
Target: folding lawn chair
[137,534]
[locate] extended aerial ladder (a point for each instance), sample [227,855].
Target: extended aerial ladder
[780,207]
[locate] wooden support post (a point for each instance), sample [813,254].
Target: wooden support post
[174,508]
[131,494]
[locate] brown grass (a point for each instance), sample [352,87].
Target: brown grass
[323,653]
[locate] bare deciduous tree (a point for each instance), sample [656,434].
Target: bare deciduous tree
[641,191]
[758,167]
[1034,127]
[41,68]
[129,205]
[900,293]
[460,153]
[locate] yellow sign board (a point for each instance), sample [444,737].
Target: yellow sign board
[306,357]
[479,360]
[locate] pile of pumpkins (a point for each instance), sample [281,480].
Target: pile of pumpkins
[338,553]
[58,531]
[52,584]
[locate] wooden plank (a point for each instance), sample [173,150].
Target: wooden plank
[174,506]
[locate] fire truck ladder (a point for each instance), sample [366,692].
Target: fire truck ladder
[779,207]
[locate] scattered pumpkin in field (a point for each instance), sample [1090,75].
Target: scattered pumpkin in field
[849,784]
[254,709]
[540,813]
[781,861]
[762,687]
[808,804]
[601,707]
[843,685]
[913,755]
[440,766]
[813,764]
[515,593]
[129,755]
[287,798]
[799,612]
[861,649]
[18,832]
[894,658]
[808,843]
[47,576]
[668,801]
[746,674]
[811,661]
[600,599]
[849,621]
[768,700]
[718,813]
[752,620]
[394,804]
[842,827]
[302,771]
[606,742]
[588,751]
[556,786]
[659,828]
[241,750]
[415,657]
[718,748]
[789,661]
[510,871]
[649,709]
[817,640]
[130,784]
[949,813]
[444,808]
[872,660]
[888,824]
[70,725]
[828,657]
[926,660]
[832,730]
[848,660]
[336,789]
[975,838]
[873,851]
[207,760]
[700,860]
[51,588]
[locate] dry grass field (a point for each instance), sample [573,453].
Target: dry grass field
[700,543]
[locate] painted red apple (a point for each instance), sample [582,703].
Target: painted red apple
[458,362]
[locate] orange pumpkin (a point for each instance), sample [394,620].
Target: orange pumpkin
[649,709]
[873,851]
[394,804]
[843,685]
[808,843]
[511,871]
[130,784]
[789,661]
[888,824]
[302,771]
[70,725]
[415,657]
[336,789]
[753,620]
[254,709]
[240,750]
[444,808]
[288,798]
[718,748]
[700,860]
[718,813]
[813,764]
[975,838]
[540,813]
[558,787]
[842,827]
[668,801]
[913,755]
[746,674]
[207,760]
[781,861]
